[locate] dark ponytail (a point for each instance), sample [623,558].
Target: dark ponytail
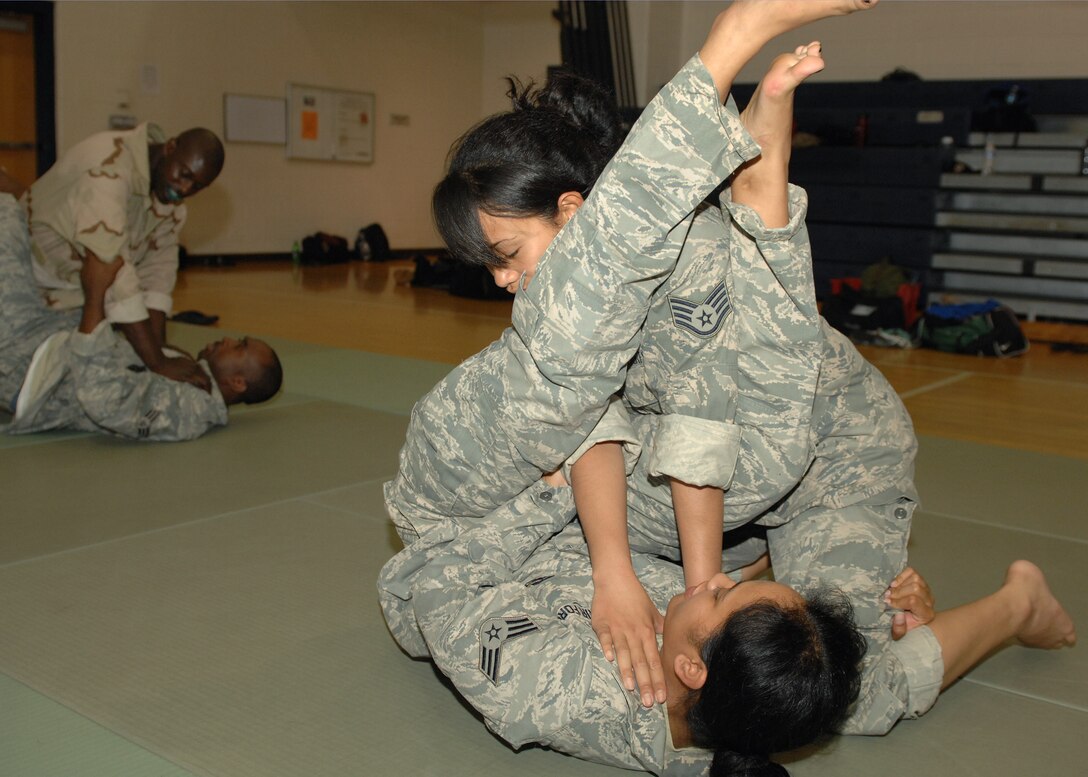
[554,140]
[778,678]
[730,764]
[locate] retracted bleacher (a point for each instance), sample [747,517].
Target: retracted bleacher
[880,186]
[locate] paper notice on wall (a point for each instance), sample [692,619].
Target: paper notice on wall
[330,124]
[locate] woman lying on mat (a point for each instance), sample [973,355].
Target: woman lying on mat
[505,617]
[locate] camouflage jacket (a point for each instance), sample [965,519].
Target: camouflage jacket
[524,404]
[101,385]
[507,619]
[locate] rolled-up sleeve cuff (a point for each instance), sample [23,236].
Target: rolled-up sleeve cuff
[749,221]
[126,311]
[695,451]
[904,683]
[156,300]
[614,426]
[919,653]
[86,344]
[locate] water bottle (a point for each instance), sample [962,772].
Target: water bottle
[296,255]
[989,155]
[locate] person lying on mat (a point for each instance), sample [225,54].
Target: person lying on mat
[752,667]
[69,369]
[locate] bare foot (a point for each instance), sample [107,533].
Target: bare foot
[768,116]
[1047,624]
[745,26]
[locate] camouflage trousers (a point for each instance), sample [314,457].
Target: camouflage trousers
[25,321]
[859,549]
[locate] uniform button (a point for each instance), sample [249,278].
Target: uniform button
[546,496]
[900,513]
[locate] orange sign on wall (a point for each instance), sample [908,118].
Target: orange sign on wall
[309,125]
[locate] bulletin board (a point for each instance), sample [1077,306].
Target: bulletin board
[331,124]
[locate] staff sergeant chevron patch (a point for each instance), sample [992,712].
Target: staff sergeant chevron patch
[701,318]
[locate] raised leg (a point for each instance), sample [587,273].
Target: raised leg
[762,183]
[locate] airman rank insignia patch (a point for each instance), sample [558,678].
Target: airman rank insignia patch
[493,634]
[701,318]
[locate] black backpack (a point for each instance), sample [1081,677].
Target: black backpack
[371,244]
[323,248]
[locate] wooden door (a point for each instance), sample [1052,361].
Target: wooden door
[18,145]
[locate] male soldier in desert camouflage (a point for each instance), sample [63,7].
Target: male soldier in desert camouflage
[69,369]
[118,196]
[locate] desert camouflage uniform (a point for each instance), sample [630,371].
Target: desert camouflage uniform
[751,401]
[98,197]
[97,383]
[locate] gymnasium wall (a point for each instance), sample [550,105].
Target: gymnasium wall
[441,64]
[429,61]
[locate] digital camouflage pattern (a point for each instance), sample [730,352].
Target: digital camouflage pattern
[98,382]
[737,383]
[24,321]
[523,405]
[506,617]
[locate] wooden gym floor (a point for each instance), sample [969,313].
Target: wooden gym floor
[1036,402]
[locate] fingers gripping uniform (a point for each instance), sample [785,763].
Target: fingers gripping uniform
[761,399]
[823,449]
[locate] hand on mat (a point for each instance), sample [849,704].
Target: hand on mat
[627,624]
[96,276]
[185,370]
[910,593]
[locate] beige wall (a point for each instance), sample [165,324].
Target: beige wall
[938,39]
[441,64]
[426,60]
[520,39]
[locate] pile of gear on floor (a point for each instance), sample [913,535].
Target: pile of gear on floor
[433,270]
[881,308]
[321,248]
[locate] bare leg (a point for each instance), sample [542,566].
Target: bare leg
[743,28]
[1023,609]
[761,184]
